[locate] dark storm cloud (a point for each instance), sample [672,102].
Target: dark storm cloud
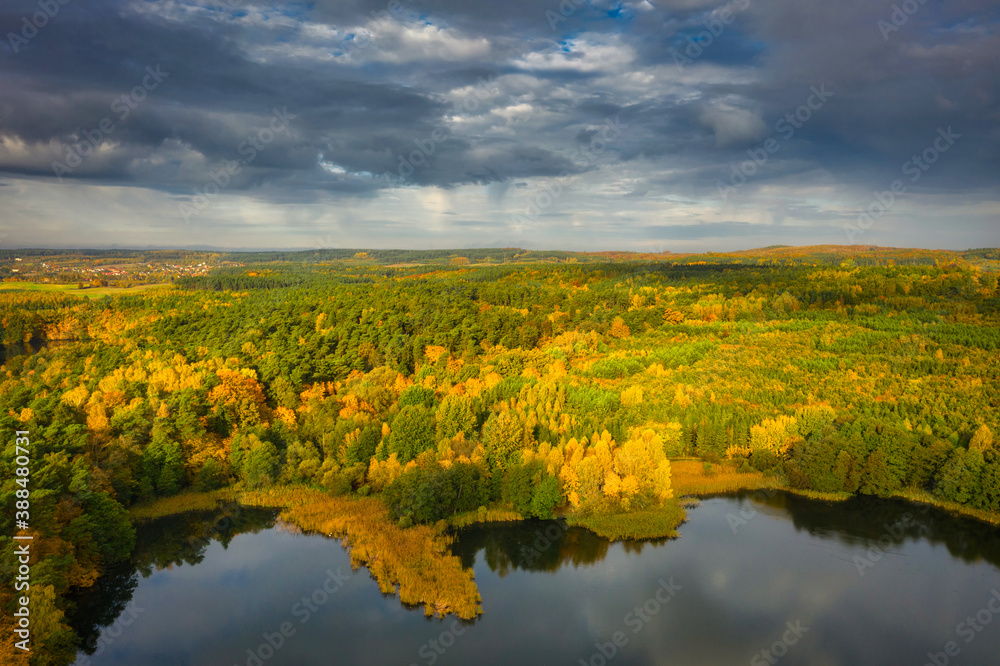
[892,91]
[450,92]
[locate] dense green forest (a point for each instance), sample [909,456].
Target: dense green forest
[551,388]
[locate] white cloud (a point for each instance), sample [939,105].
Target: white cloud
[584,54]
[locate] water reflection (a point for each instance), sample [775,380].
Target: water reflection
[100,605]
[536,546]
[866,520]
[859,521]
[184,539]
[212,585]
[161,544]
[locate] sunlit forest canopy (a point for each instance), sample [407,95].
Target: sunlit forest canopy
[422,389]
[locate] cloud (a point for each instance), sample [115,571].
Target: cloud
[733,125]
[391,98]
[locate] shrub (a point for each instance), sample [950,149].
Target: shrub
[764,460]
[429,494]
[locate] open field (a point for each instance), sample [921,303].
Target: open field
[74,290]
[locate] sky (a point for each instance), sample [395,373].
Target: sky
[650,125]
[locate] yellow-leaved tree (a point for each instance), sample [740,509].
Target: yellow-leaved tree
[982,440]
[381,474]
[608,471]
[643,466]
[774,435]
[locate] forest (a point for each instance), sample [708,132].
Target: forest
[492,386]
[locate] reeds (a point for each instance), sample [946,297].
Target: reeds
[182,503]
[924,497]
[652,523]
[693,477]
[413,562]
[491,515]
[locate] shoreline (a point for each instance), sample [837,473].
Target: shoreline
[414,563]
[208,500]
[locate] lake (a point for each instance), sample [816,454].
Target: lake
[752,580]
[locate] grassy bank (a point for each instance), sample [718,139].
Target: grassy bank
[924,497]
[691,476]
[817,495]
[491,515]
[182,503]
[695,477]
[644,524]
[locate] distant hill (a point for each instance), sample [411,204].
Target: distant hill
[857,255]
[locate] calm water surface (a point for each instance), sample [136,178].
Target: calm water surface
[861,582]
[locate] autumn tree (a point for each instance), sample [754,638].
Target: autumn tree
[982,440]
[240,397]
[619,329]
[503,435]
